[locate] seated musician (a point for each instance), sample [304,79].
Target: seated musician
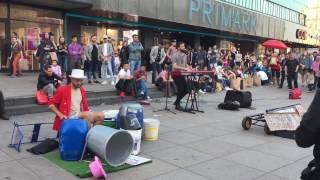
[179,64]
[70,102]
[125,81]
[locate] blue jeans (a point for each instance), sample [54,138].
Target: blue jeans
[113,64]
[156,68]
[105,68]
[93,66]
[142,88]
[63,61]
[134,65]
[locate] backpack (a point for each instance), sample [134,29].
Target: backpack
[243,97]
[44,147]
[230,105]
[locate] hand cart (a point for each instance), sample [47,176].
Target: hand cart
[259,119]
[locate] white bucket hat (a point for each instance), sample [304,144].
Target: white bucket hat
[77,74]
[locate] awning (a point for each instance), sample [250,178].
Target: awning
[60,4]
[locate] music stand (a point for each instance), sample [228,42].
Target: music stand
[166,108]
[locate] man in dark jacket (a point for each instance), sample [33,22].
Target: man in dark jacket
[48,81]
[308,133]
[3,114]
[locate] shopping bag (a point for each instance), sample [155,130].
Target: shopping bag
[249,81]
[256,81]
[41,97]
[219,87]
[23,63]
[53,56]
[243,84]
[235,84]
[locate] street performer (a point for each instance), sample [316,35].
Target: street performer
[179,64]
[70,102]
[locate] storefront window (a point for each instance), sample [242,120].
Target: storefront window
[117,34]
[29,23]
[3,10]
[29,34]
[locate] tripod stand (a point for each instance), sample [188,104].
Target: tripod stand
[167,96]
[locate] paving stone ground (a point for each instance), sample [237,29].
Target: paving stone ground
[205,146]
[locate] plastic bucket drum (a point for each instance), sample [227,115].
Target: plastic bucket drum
[151,129]
[114,146]
[136,134]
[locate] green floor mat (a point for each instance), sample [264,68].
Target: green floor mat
[81,168]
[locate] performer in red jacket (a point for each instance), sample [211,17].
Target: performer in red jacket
[70,102]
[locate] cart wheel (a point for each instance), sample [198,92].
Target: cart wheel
[246,123]
[266,129]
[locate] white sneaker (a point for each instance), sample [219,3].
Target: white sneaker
[104,83]
[201,92]
[108,76]
[228,89]
[112,83]
[149,98]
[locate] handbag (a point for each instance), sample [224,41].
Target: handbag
[235,84]
[41,97]
[53,56]
[256,81]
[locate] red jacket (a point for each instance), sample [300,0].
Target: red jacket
[62,100]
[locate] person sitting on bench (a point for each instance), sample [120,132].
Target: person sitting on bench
[3,114]
[125,81]
[70,102]
[48,81]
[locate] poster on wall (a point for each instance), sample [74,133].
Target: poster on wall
[33,38]
[127,35]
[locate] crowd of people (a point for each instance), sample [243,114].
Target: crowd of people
[125,68]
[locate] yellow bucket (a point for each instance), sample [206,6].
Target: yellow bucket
[151,129]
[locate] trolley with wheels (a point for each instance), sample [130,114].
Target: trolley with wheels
[260,121]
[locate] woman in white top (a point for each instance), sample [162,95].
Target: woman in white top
[125,81]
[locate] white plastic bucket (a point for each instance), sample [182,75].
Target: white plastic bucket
[136,135]
[151,129]
[114,146]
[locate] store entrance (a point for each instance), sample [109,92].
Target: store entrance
[3,59]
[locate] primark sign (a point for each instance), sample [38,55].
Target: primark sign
[217,15]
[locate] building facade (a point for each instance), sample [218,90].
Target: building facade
[243,24]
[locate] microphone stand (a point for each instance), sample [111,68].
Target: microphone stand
[166,108]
